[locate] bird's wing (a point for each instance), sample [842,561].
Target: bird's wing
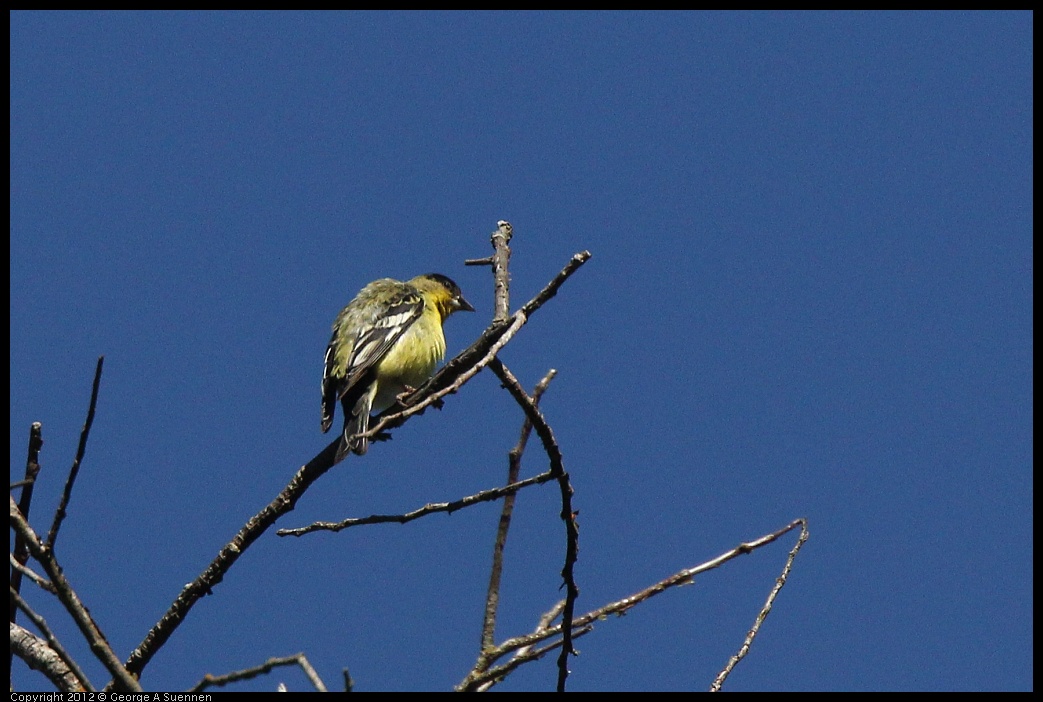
[329,389]
[371,344]
[374,342]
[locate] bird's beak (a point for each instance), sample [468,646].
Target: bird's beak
[462,304]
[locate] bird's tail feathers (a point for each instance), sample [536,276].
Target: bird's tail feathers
[327,412]
[356,423]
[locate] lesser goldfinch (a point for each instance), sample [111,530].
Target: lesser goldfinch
[386,341]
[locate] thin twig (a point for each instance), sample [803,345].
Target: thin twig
[121,678]
[501,278]
[621,606]
[298,659]
[32,575]
[551,289]
[763,614]
[568,515]
[59,514]
[20,555]
[514,456]
[431,508]
[499,261]
[545,621]
[497,674]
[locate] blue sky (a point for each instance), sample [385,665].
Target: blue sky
[810,296]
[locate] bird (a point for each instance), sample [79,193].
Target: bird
[386,341]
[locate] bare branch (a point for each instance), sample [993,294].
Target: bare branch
[31,574]
[568,515]
[431,508]
[59,514]
[499,260]
[551,289]
[532,413]
[79,681]
[522,656]
[514,456]
[763,614]
[98,644]
[39,656]
[298,659]
[623,605]
[20,555]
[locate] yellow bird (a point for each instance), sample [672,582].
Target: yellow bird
[386,341]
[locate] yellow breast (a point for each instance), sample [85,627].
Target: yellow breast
[412,359]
